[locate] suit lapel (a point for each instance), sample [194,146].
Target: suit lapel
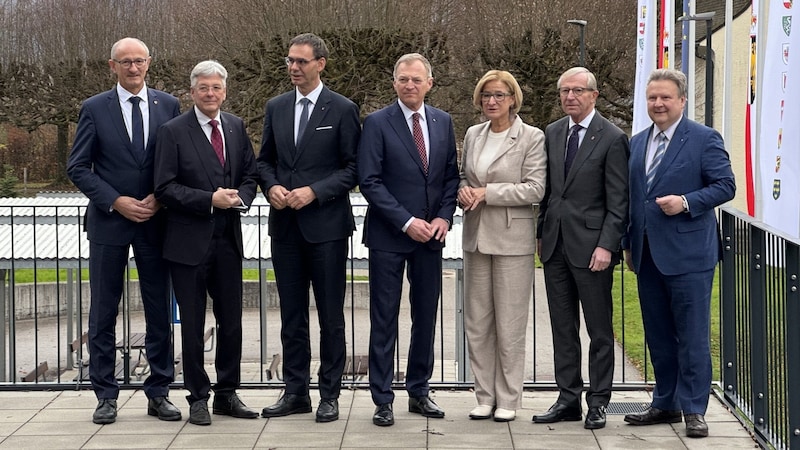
[115,113]
[205,152]
[398,122]
[590,139]
[319,112]
[155,114]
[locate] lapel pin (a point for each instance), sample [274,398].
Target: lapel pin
[592,138]
[155,102]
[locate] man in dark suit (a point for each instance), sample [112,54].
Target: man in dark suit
[112,164]
[679,172]
[205,174]
[581,222]
[408,173]
[307,166]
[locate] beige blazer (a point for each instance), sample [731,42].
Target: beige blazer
[505,224]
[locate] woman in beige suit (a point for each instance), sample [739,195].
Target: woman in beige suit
[503,170]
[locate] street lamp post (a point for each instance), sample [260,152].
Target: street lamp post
[707,17]
[582,25]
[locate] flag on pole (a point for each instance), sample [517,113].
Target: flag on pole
[646,46]
[750,116]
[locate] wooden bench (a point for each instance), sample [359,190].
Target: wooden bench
[136,341]
[208,341]
[39,371]
[356,365]
[80,351]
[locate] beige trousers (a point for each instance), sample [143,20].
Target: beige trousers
[497,293]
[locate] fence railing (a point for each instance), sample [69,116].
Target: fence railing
[44,299]
[760,354]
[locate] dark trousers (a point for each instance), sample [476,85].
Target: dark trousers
[570,289]
[424,271]
[298,265]
[219,275]
[676,311]
[106,278]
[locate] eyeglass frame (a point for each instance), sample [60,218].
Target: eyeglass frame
[301,62]
[577,92]
[127,63]
[485,96]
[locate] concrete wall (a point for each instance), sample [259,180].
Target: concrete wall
[42,298]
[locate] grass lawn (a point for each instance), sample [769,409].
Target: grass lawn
[628,314]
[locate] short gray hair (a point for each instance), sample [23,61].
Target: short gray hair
[408,58]
[676,76]
[208,68]
[591,81]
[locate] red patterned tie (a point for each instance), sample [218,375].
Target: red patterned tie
[216,142]
[420,141]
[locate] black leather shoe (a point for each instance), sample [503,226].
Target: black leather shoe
[560,413]
[162,408]
[106,411]
[198,413]
[696,426]
[328,410]
[232,405]
[595,418]
[288,404]
[652,416]
[384,416]
[425,406]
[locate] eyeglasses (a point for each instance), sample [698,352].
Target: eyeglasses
[406,80]
[203,89]
[577,92]
[497,96]
[299,61]
[126,63]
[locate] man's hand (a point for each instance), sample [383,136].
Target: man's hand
[420,230]
[277,196]
[629,260]
[225,198]
[300,197]
[601,259]
[439,228]
[136,210]
[670,204]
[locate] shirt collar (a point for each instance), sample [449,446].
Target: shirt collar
[124,94]
[408,112]
[583,123]
[204,119]
[313,95]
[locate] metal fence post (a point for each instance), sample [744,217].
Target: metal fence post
[793,343]
[758,345]
[728,360]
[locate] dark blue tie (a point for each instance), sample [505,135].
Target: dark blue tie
[572,148]
[301,127]
[137,124]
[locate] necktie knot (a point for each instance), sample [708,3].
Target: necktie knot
[213,123]
[135,100]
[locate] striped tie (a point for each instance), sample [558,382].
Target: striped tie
[660,150]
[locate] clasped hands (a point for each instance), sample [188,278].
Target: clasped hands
[469,197]
[280,197]
[136,210]
[225,198]
[422,231]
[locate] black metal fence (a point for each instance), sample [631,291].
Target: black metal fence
[760,354]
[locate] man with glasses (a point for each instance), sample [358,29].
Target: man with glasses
[408,173]
[307,167]
[112,164]
[581,222]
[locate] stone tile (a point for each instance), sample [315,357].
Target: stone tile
[18,415]
[720,442]
[309,425]
[225,425]
[26,400]
[638,442]
[61,442]
[125,426]
[283,440]
[8,428]
[62,415]
[75,400]
[385,439]
[400,427]
[65,428]
[214,441]
[129,441]
[471,440]
[555,442]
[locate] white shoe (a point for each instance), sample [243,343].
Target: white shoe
[504,415]
[481,412]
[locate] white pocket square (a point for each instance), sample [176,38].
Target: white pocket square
[329,127]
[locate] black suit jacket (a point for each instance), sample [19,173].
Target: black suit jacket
[589,207]
[104,165]
[324,159]
[187,172]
